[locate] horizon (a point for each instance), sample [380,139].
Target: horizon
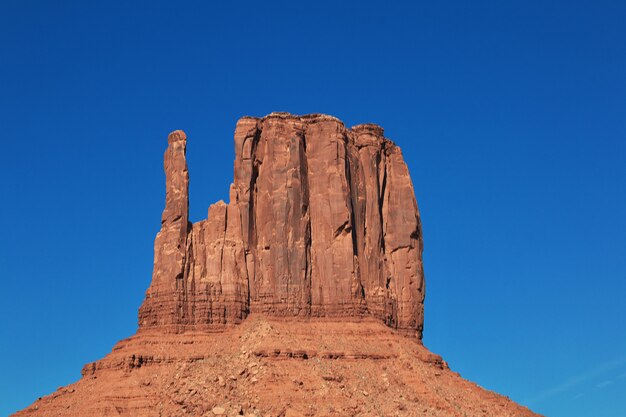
[510,118]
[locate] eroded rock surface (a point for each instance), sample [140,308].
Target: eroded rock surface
[272,367]
[322,222]
[319,245]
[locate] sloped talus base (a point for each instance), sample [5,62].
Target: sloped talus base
[273,367]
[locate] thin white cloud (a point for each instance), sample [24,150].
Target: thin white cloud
[579,379]
[604,384]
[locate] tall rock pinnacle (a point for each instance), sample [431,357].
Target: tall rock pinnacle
[322,222]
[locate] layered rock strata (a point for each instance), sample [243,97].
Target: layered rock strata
[271,367]
[322,222]
[322,225]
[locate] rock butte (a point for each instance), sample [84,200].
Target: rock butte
[294,299]
[322,222]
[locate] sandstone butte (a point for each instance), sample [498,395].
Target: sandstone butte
[303,296]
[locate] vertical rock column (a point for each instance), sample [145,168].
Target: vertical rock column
[247,135]
[335,283]
[218,282]
[390,259]
[370,144]
[281,220]
[164,302]
[402,234]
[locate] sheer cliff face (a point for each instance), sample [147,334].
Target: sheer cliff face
[322,222]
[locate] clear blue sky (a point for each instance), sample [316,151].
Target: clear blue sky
[511,116]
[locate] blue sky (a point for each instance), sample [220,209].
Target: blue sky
[511,116]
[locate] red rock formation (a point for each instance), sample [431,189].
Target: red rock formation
[322,222]
[322,226]
[272,367]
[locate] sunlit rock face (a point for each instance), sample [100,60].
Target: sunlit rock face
[322,222]
[280,303]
